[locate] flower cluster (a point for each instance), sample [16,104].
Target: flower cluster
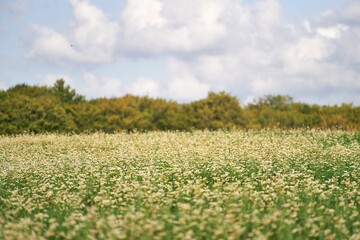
[175,185]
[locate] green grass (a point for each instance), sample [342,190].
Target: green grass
[172,185]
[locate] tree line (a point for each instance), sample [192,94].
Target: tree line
[40,109]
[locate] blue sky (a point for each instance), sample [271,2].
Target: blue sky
[307,49]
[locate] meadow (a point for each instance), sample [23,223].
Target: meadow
[181,185]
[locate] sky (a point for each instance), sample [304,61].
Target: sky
[181,50]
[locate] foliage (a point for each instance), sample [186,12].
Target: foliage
[217,111]
[59,108]
[65,93]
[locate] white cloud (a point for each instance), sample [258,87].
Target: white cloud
[143,14]
[52,46]
[352,11]
[264,54]
[95,86]
[302,55]
[307,26]
[92,38]
[333,32]
[249,50]
[327,13]
[95,36]
[2,86]
[50,79]
[187,89]
[162,27]
[183,85]
[144,87]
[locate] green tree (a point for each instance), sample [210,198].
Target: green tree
[65,93]
[278,102]
[21,113]
[59,108]
[217,111]
[160,114]
[30,91]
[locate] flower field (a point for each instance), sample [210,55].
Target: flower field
[175,185]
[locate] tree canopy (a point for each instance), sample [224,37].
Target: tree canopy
[59,108]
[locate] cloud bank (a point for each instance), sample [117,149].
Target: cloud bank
[246,49]
[92,38]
